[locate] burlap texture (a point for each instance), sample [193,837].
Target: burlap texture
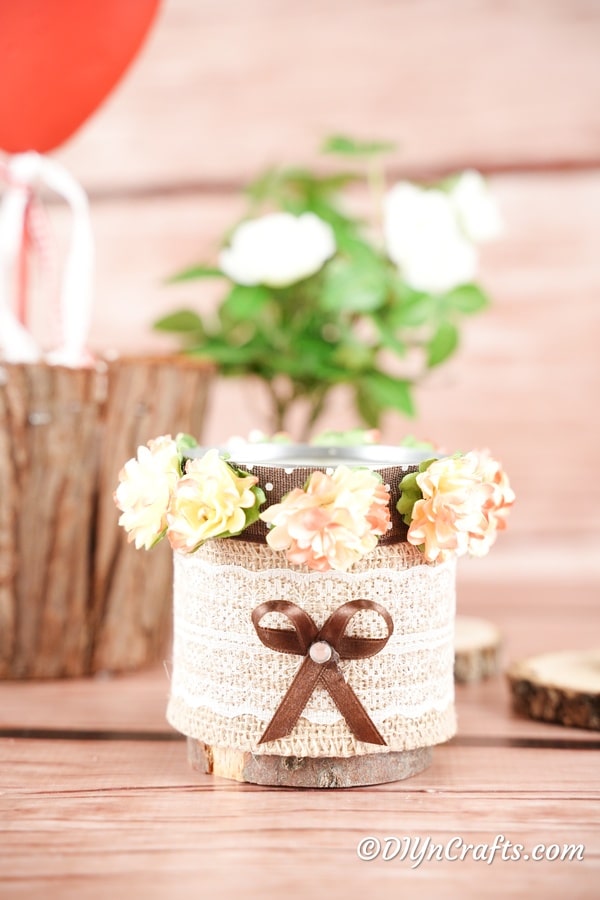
[226,684]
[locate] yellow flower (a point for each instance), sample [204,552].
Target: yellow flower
[211,500]
[146,484]
[465,503]
[333,522]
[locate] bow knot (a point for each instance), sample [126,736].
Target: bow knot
[322,648]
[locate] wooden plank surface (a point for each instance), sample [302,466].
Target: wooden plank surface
[224,90]
[96,796]
[84,814]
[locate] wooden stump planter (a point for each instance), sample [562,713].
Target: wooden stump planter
[75,597]
[235,658]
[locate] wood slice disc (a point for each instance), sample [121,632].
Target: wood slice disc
[477,644]
[558,687]
[307,772]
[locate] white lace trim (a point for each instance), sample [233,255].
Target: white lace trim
[318,717]
[214,638]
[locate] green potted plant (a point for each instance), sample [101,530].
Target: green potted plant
[316,297]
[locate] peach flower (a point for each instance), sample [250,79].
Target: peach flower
[331,523]
[498,505]
[465,503]
[211,500]
[146,484]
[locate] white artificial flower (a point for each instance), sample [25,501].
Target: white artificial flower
[476,207]
[146,485]
[277,249]
[423,238]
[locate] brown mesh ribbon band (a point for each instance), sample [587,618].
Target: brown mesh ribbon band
[282,482]
[321,648]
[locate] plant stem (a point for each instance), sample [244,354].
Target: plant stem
[376,182]
[279,408]
[317,405]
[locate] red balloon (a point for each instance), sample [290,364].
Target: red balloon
[58,61]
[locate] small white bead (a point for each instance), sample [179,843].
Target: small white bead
[268,486]
[320,652]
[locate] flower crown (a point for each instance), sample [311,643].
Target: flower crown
[452,505]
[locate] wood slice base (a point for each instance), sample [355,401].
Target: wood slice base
[307,772]
[477,644]
[558,687]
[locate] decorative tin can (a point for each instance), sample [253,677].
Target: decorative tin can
[314,601]
[249,688]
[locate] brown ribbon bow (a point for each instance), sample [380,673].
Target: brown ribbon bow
[321,648]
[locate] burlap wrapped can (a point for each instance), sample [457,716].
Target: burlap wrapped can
[226,684]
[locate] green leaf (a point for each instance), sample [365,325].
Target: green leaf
[368,409]
[467,299]
[309,359]
[354,288]
[185,442]
[264,186]
[387,336]
[406,503]
[194,272]
[232,358]
[415,443]
[157,539]
[353,357]
[306,182]
[297,190]
[342,145]
[410,493]
[183,321]
[253,512]
[350,244]
[443,344]
[344,227]
[353,437]
[389,393]
[245,302]
[416,310]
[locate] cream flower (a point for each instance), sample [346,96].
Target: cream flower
[277,249]
[331,523]
[465,502]
[423,238]
[146,484]
[211,500]
[476,207]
